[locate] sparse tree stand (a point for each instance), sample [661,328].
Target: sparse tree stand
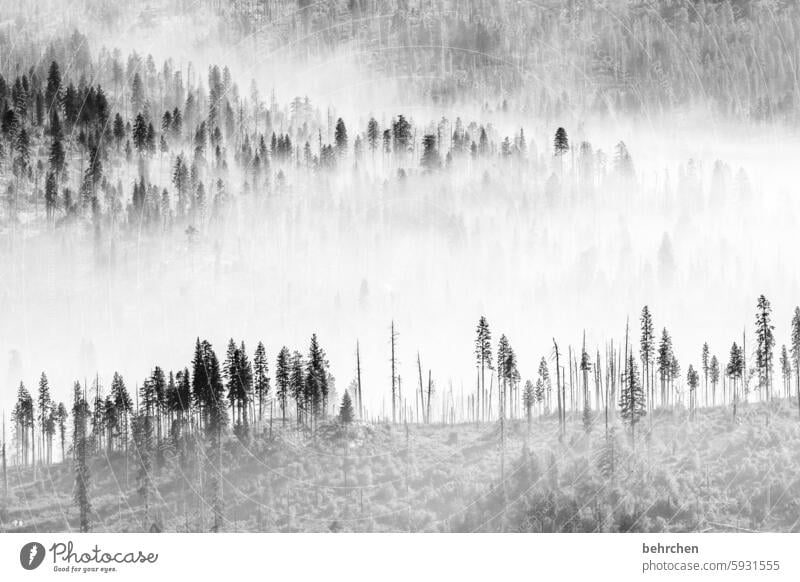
[394,375]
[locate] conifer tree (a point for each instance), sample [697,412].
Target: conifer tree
[298,387]
[373,135]
[560,143]
[735,371]
[261,377]
[692,379]
[714,372]
[664,361]
[483,358]
[317,379]
[346,413]
[704,358]
[283,367]
[340,138]
[430,154]
[44,403]
[80,446]
[765,341]
[528,400]
[631,399]
[795,351]
[647,348]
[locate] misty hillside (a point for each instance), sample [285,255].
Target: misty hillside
[709,474]
[347,187]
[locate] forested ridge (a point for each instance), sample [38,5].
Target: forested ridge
[196,433]
[551,165]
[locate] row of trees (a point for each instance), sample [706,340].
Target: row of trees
[240,393]
[639,383]
[193,409]
[72,150]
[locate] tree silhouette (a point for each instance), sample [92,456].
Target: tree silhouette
[765,341]
[346,413]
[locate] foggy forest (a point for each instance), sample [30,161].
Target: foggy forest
[399,266]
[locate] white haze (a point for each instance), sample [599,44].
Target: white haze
[434,253]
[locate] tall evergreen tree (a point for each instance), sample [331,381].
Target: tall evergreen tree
[647,348]
[560,142]
[631,399]
[44,403]
[795,351]
[317,378]
[765,341]
[283,367]
[260,376]
[80,446]
[346,413]
[483,358]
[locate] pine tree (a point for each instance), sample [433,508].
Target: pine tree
[346,413]
[317,379]
[261,377]
[53,86]
[735,371]
[623,164]
[137,92]
[795,351]
[298,387]
[44,403]
[543,385]
[483,357]
[23,418]
[373,135]
[786,369]
[704,358]
[528,400]
[647,348]
[664,361]
[692,379]
[401,135]
[430,154]
[560,142]
[765,341]
[631,400]
[714,372]
[123,406]
[283,366]
[340,138]
[80,446]
[118,130]
[140,134]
